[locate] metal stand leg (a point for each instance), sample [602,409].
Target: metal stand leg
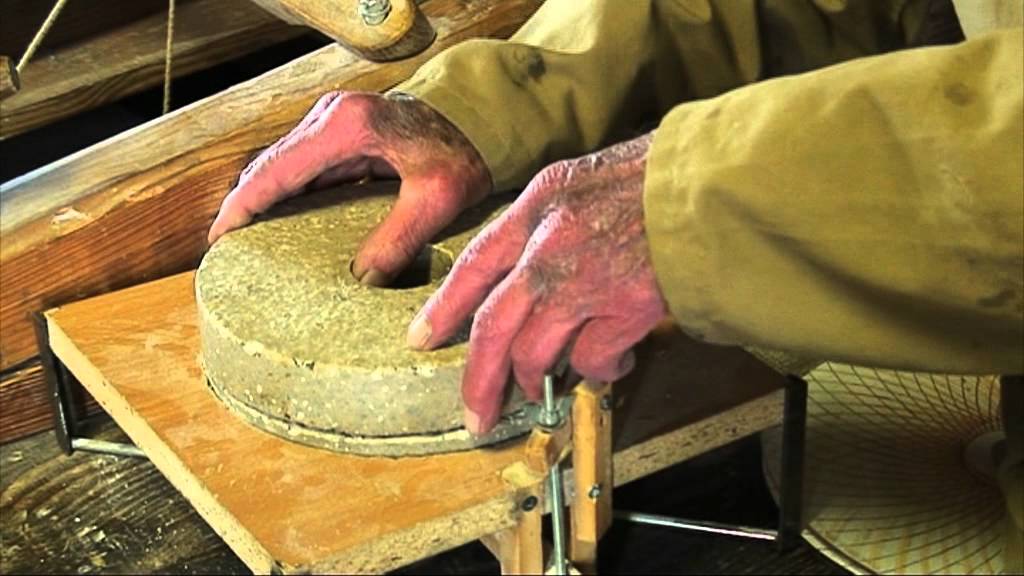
[791,483]
[787,536]
[65,416]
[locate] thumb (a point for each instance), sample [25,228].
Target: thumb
[425,206]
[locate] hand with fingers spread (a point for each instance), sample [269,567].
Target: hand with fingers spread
[348,136]
[566,264]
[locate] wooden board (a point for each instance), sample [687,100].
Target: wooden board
[127,60]
[136,207]
[281,505]
[79,19]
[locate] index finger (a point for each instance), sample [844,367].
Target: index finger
[316,144]
[481,265]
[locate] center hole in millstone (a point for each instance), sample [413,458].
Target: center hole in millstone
[430,264]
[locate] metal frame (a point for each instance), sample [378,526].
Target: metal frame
[66,420]
[791,483]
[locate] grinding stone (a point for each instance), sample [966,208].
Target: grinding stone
[296,346]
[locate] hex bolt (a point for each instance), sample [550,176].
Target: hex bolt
[373,12]
[606,402]
[529,503]
[594,492]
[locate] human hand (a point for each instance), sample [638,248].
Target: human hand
[351,135]
[568,259]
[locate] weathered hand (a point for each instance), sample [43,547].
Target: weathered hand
[568,259]
[350,135]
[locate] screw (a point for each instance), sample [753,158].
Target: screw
[374,12]
[595,491]
[606,402]
[529,504]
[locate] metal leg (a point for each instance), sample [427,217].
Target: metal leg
[787,536]
[65,416]
[791,483]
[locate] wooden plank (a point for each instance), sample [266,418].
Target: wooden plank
[79,19]
[25,403]
[279,505]
[137,206]
[283,505]
[127,60]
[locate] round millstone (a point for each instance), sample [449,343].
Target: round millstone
[296,346]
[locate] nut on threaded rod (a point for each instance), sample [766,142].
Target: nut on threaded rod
[373,12]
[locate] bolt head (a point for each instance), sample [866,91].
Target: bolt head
[529,503]
[594,492]
[606,402]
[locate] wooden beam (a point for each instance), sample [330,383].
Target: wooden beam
[136,206]
[78,20]
[126,60]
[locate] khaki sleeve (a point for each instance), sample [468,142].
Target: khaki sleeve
[580,75]
[871,212]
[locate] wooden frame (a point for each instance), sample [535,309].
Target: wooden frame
[284,507]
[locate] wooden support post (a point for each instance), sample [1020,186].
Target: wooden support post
[593,473]
[519,549]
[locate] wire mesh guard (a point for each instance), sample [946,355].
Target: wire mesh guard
[899,476]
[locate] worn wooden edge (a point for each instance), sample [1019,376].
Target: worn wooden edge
[204,501]
[136,206]
[130,59]
[662,451]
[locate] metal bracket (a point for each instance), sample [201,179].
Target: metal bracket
[66,423]
[791,483]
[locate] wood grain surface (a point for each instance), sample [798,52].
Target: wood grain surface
[136,207]
[402,33]
[286,506]
[129,59]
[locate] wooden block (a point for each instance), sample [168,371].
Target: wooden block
[127,60]
[520,549]
[284,506]
[137,206]
[9,81]
[592,473]
[402,32]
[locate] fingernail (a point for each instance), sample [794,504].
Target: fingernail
[374,277]
[419,332]
[472,421]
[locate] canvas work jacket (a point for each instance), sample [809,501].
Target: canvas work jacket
[817,182]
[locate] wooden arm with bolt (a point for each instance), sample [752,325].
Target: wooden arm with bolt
[378,30]
[587,434]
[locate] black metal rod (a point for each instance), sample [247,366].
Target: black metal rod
[791,484]
[65,419]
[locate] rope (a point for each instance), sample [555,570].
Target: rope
[40,34]
[168,56]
